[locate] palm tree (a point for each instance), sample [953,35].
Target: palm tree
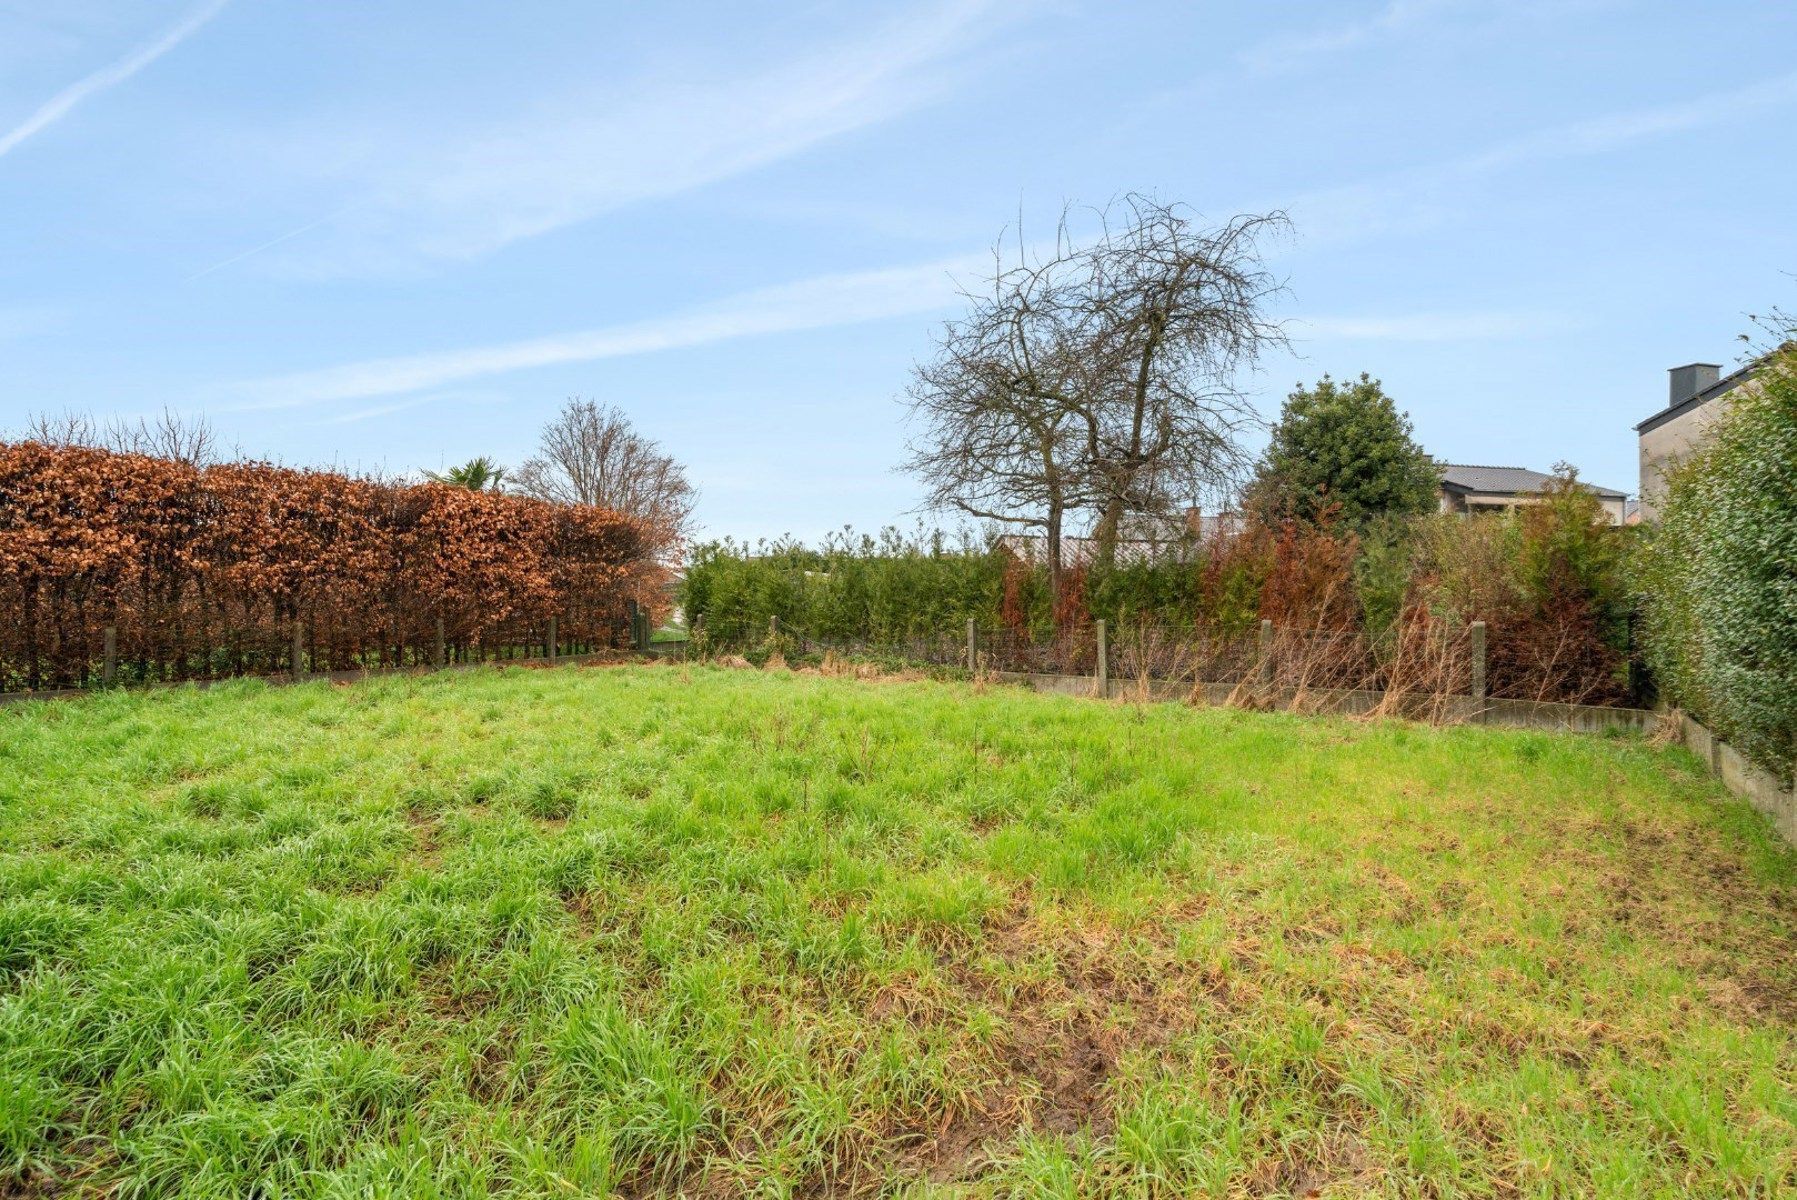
[477,475]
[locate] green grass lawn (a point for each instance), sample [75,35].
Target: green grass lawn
[682,930]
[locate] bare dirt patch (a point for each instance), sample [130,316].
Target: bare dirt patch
[1750,959]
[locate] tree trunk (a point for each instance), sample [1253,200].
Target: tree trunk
[1134,460]
[1105,535]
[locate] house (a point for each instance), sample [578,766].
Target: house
[1474,489]
[1143,539]
[1698,395]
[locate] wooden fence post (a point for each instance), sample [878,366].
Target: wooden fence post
[973,646]
[773,627]
[109,661]
[1478,666]
[1266,658]
[1104,659]
[299,649]
[553,647]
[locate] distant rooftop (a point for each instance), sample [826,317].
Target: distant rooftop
[1696,384]
[1504,481]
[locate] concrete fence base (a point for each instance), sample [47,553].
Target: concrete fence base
[1774,797]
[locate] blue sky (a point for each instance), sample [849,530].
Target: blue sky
[397,235]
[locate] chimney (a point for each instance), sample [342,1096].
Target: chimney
[1691,379]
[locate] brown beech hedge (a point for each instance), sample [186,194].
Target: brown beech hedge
[208,571]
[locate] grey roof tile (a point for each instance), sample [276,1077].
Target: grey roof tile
[1508,481]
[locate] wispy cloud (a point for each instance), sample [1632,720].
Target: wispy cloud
[1427,194]
[1399,19]
[457,194]
[1396,16]
[817,303]
[65,101]
[1612,132]
[871,295]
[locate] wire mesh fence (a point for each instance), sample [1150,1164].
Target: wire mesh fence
[757,642]
[1408,667]
[1403,666]
[134,652]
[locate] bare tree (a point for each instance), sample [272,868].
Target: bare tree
[1173,316]
[191,440]
[591,455]
[1101,380]
[999,438]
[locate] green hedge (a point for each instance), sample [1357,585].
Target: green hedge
[1550,582]
[853,589]
[887,588]
[1722,574]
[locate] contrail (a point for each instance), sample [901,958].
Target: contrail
[270,243]
[59,105]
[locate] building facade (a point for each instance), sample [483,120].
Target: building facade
[1698,395]
[1475,489]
